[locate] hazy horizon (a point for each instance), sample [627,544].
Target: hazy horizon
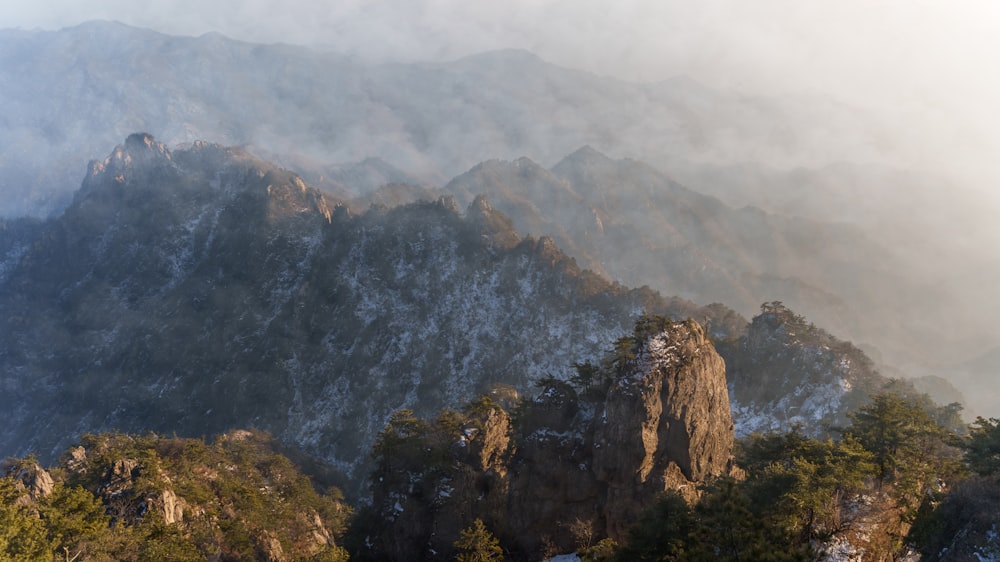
[924,67]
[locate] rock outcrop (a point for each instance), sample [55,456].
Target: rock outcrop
[238,498]
[666,422]
[579,463]
[30,478]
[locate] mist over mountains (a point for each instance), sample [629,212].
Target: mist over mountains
[200,289]
[904,272]
[72,93]
[436,299]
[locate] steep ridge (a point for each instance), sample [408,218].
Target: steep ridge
[633,223]
[129,498]
[785,372]
[788,372]
[538,202]
[201,289]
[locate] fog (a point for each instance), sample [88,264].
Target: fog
[926,66]
[907,85]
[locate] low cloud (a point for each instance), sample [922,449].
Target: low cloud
[926,66]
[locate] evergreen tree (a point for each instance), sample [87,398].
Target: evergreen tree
[982,449]
[401,447]
[477,544]
[22,532]
[722,526]
[892,428]
[729,529]
[802,481]
[912,452]
[74,518]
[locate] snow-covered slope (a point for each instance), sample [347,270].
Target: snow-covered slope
[787,372]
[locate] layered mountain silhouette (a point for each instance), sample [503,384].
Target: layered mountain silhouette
[633,223]
[348,127]
[72,93]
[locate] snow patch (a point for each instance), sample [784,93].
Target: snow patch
[990,551]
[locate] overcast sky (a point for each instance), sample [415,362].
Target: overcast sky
[933,64]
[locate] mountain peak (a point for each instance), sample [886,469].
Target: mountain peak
[587,152]
[492,224]
[479,206]
[99,26]
[144,142]
[584,157]
[140,153]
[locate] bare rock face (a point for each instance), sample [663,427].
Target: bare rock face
[588,465]
[555,486]
[30,477]
[321,536]
[172,506]
[119,476]
[666,422]
[269,547]
[489,447]
[76,459]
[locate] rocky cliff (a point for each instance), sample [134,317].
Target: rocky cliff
[575,464]
[674,392]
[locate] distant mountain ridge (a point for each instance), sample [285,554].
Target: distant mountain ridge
[71,93]
[633,223]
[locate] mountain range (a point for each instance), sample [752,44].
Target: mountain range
[199,289]
[741,199]
[71,93]
[486,295]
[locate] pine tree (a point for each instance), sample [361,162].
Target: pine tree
[801,480]
[477,544]
[982,450]
[22,532]
[912,452]
[73,517]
